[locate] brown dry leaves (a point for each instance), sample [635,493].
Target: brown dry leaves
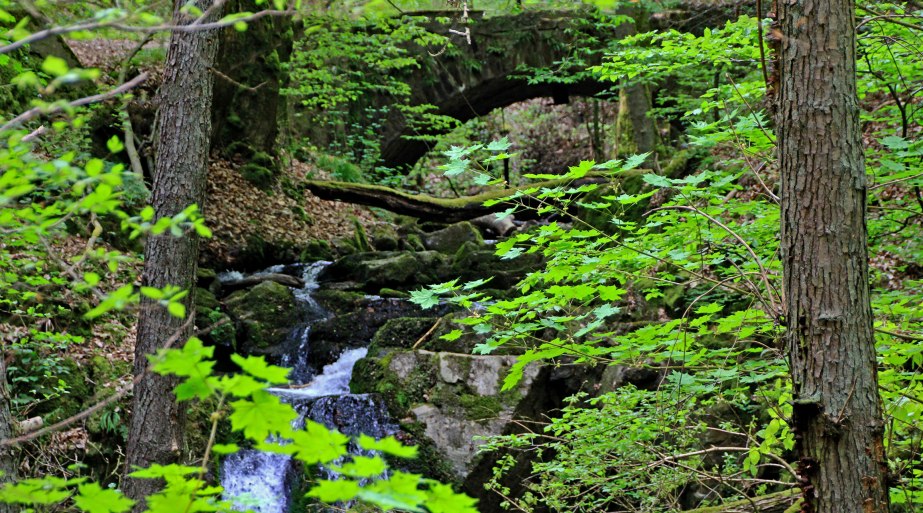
[237,211]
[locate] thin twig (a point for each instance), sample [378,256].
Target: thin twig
[122,392]
[121,26]
[54,109]
[763,273]
[428,333]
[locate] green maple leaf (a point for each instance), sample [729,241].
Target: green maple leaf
[388,445]
[335,491]
[257,367]
[241,385]
[442,499]
[400,491]
[92,498]
[264,414]
[317,444]
[363,466]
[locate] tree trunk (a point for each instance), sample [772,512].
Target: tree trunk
[837,418]
[8,454]
[183,130]
[635,124]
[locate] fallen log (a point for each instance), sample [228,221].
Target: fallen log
[453,210]
[779,502]
[256,279]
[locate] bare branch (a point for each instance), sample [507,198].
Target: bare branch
[37,111]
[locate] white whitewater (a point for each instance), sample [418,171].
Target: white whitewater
[262,482]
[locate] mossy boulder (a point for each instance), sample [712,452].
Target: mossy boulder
[472,261]
[260,176]
[401,332]
[316,250]
[384,237]
[355,327]
[450,238]
[451,398]
[208,279]
[372,271]
[264,316]
[405,332]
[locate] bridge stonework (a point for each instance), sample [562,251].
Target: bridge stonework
[465,81]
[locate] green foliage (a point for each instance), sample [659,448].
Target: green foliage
[608,454]
[41,198]
[349,75]
[689,291]
[258,415]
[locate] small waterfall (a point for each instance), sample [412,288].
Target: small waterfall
[262,482]
[312,312]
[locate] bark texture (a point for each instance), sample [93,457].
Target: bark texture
[837,415]
[183,130]
[9,460]
[635,100]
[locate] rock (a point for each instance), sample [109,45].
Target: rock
[384,237]
[373,271]
[472,262]
[401,332]
[316,250]
[356,326]
[205,300]
[249,281]
[450,238]
[452,397]
[264,315]
[499,226]
[208,279]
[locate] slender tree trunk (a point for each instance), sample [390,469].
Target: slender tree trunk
[837,417]
[8,454]
[636,126]
[183,130]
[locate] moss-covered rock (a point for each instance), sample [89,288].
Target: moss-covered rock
[205,299]
[372,271]
[450,238]
[339,301]
[401,332]
[411,242]
[316,250]
[384,237]
[260,176]
[264,315]
[472,262]
[354,327]
[449,398]
[208,279]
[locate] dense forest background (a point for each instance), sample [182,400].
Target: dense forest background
[461,256]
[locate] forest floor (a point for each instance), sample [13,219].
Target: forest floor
[236,210]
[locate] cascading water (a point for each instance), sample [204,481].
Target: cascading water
[262,482]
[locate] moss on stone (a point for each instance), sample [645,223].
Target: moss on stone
[339,301]
[412,242]
[258,175]
[401,332]
[480,407]
[316,250]
[264,314]
[205,299]
[389,292]
[400,393]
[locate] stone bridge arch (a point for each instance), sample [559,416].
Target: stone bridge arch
[471,80]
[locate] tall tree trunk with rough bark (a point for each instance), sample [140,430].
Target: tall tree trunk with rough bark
[837,418]
[8,454]
[183,130]
[636,126]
